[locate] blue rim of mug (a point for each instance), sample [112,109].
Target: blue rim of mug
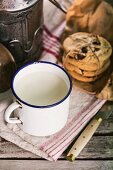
[45,106]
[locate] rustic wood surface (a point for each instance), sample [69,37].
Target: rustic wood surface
[97,155]
[99,147]
[61,165]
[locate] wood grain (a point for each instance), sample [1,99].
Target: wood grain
[99,147]
[106,126]
[10,150]
[62,165]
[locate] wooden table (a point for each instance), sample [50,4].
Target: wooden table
[97,155]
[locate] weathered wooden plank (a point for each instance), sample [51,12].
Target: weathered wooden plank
[106,126]
[9,150]
[99,147]
[62,165]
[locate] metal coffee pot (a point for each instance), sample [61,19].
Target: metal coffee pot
[21,25]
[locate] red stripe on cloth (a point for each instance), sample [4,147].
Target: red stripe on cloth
[66,145]
[61,151]
[68,126]
[71,130]
[49,39]
[50,51]
[58,151]
[75,129]
[49,42]
[48,32]
[49,45]
[72,135]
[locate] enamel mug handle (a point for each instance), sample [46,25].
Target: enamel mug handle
[8,112]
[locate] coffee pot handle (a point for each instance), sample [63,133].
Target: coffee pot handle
[60,6]
[8,112]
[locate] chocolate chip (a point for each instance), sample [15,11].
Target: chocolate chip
[82,71]
[70,56]
[79,56]
[97,49]
[110,82]
[96,42]
[84,50]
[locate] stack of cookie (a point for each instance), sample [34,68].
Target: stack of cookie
[87,59]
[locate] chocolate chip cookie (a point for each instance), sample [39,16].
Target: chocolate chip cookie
[71,67]
[87,51]
[96,86]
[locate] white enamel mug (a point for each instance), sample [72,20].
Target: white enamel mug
[41,98]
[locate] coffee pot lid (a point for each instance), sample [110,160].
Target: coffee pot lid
[15,5]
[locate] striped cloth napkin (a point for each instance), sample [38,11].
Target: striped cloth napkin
[57,144]
[51,43]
